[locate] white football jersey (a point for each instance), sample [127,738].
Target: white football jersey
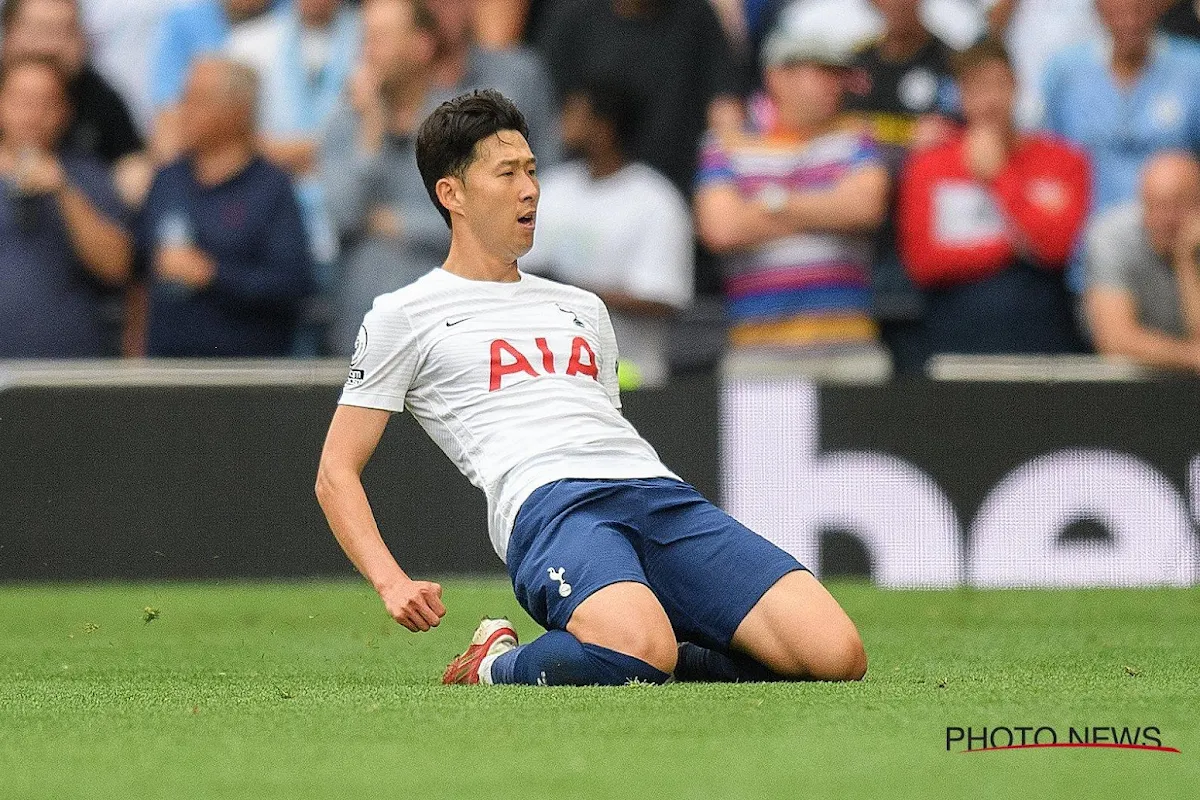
[516,382]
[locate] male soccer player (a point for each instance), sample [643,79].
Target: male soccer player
[634,575]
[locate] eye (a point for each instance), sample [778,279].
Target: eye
[506,174]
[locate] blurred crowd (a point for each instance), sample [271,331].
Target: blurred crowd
[897,177]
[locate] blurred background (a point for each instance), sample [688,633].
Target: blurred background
[912,286]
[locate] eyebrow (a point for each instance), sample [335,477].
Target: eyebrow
[516,162]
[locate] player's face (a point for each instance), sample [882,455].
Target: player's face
[500,194]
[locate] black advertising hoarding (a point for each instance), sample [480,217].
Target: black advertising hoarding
[187,482]
[986,484]
[915,483]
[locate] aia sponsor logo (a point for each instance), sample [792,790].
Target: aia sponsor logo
[507,359]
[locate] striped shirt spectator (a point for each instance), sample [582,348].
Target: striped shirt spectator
[807,288]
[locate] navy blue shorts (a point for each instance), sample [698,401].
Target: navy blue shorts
[574,537]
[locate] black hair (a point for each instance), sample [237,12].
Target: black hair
[447,139]
[616,105]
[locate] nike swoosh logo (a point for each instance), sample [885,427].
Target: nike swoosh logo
[452,322]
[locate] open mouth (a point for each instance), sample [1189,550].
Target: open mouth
[527,220]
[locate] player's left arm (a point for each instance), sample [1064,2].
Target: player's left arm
[353,436]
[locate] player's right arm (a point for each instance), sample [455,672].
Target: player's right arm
[353,436]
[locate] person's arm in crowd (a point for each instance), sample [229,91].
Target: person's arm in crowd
[131,178]
[1111,310]
[855,204]
[727,222]
[1046,223]
[102,246]
[1113,320]
[1187,274]
[276,275]
[999,14]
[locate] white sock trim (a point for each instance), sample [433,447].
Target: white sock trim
[485,667]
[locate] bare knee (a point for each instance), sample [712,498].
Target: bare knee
[657,648]
[839,658]
[628,618]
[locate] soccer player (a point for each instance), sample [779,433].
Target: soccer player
[634,575]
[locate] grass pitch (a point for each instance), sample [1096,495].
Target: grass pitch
[309,691]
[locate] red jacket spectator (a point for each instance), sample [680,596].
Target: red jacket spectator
[987,222]
[956,229]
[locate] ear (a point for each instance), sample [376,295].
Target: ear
[449,192]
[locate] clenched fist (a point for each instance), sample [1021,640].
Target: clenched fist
[417,605]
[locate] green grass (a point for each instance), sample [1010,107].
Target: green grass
[308,691]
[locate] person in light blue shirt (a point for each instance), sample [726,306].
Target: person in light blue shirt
[1125,97]
[189,31]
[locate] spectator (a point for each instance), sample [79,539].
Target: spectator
[391,233]
[60,237]
[1142,280]
[792,208]
[304,55]
[671,55]
[188,32]
[515,72]
[617,228]
[902,88]
[1034,31]
[221,233]
[120,34]
[100,123]
[1125,97]
[988,221]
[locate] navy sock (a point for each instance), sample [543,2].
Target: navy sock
[701,664]
[556,658]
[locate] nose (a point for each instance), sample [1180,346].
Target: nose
[530,190]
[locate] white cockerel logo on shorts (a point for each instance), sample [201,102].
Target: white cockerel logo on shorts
[564,588]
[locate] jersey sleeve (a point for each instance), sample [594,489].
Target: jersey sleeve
[609,355]
[384,364]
